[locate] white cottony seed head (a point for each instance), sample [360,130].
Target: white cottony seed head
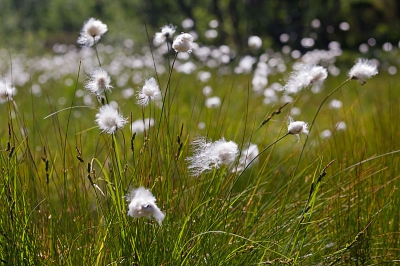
[166,32]
[6,92]
[109,120]
[183,43]
[142,203]
[363,70]
[99,81]
[209,155]
[303,76]
[91,32]
[297,127]
[150,91]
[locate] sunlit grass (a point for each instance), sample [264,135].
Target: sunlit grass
[64,182]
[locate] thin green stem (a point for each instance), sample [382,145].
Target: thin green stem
[315,117]
[164,98]
[66,131]
[151,52]
[169,64]
[255,158]
[97,53]
[98,60]
[266,148]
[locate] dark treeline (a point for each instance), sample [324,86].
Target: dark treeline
[45,22]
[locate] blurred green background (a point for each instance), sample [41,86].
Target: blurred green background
[42,23]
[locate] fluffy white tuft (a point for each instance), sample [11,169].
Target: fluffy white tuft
[209,155]
[150,91]
[99,81]
[305,75]
[363,70]
[166,32]
[183,43]
[143,204]
[6,92]
[109,120]
[91,32]
[297,127]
